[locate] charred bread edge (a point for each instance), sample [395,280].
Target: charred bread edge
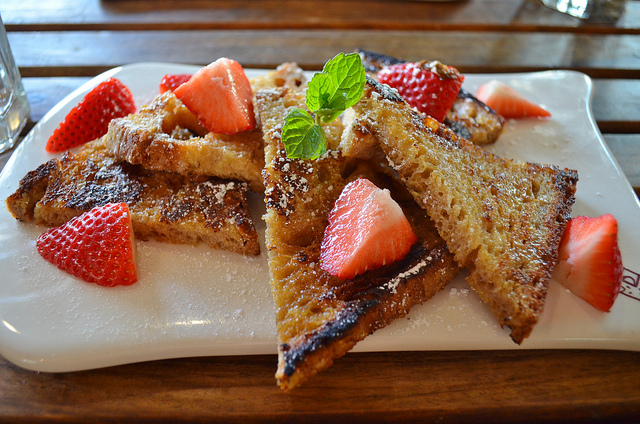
[349,319]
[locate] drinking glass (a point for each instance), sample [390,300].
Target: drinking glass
[14,107]
[588,9]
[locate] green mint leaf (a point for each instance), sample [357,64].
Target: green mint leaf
[330,92]
[349,77]
[337,88]
[319,91]
[302,137]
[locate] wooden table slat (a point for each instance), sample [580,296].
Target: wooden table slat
[477,15]
[470,387]
[600,56]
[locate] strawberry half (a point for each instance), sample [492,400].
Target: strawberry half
[589,261]
[90,118]
[97,246]
[367,229]
[220,96]
[173,81]
[430,87]
[508,102]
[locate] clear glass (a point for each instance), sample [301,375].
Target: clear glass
[588,9]
[14,106]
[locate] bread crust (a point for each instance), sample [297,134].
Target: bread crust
[21,204]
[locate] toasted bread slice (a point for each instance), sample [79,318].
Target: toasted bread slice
[501,219]
[165,206]
[287,74]
[165,136]
[320,317]
[469,118]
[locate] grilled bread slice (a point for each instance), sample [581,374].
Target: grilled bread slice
[165,136]
[468,117]
[501,219]
[165,206]
[320,317]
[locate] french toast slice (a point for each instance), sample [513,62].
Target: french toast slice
[501,219]
[165,136]
[320,317]
[165,206]
[468,117]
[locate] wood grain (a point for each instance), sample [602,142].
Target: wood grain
[600,56]
[376,387]
[476,15]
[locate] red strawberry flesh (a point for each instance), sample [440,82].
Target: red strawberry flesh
[589,261]
[430,87]
[508,102]
[220,95]
[367,229]
[97,246]
[173,81]
[90,118]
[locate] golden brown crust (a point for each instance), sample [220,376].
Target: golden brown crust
[165,136]
[320,317]
[503,220]
[30,190]
[165,206]
[471,119]
[468,118]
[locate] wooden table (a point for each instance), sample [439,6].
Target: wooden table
[60,44]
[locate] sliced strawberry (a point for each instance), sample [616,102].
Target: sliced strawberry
[173,81]
[430,87]
[508,102]
[589,262]
[97,246]
[90,118]
[220,96]
[367,229]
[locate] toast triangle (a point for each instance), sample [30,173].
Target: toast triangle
[320,317]
[501,219]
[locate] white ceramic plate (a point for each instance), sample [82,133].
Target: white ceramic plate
[194,301]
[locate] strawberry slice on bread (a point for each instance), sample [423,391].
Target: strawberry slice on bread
[220,95]
[589,261]
[508,102]
[367,229]
[90,118]
[430,87]
[97,246]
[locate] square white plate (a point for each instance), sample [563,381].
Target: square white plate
[194,301]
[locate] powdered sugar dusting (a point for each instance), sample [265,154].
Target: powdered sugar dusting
[219,189]
[392,285]
[454,310]
[290,184]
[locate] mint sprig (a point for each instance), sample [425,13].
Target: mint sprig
[304,137]
[332,91]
